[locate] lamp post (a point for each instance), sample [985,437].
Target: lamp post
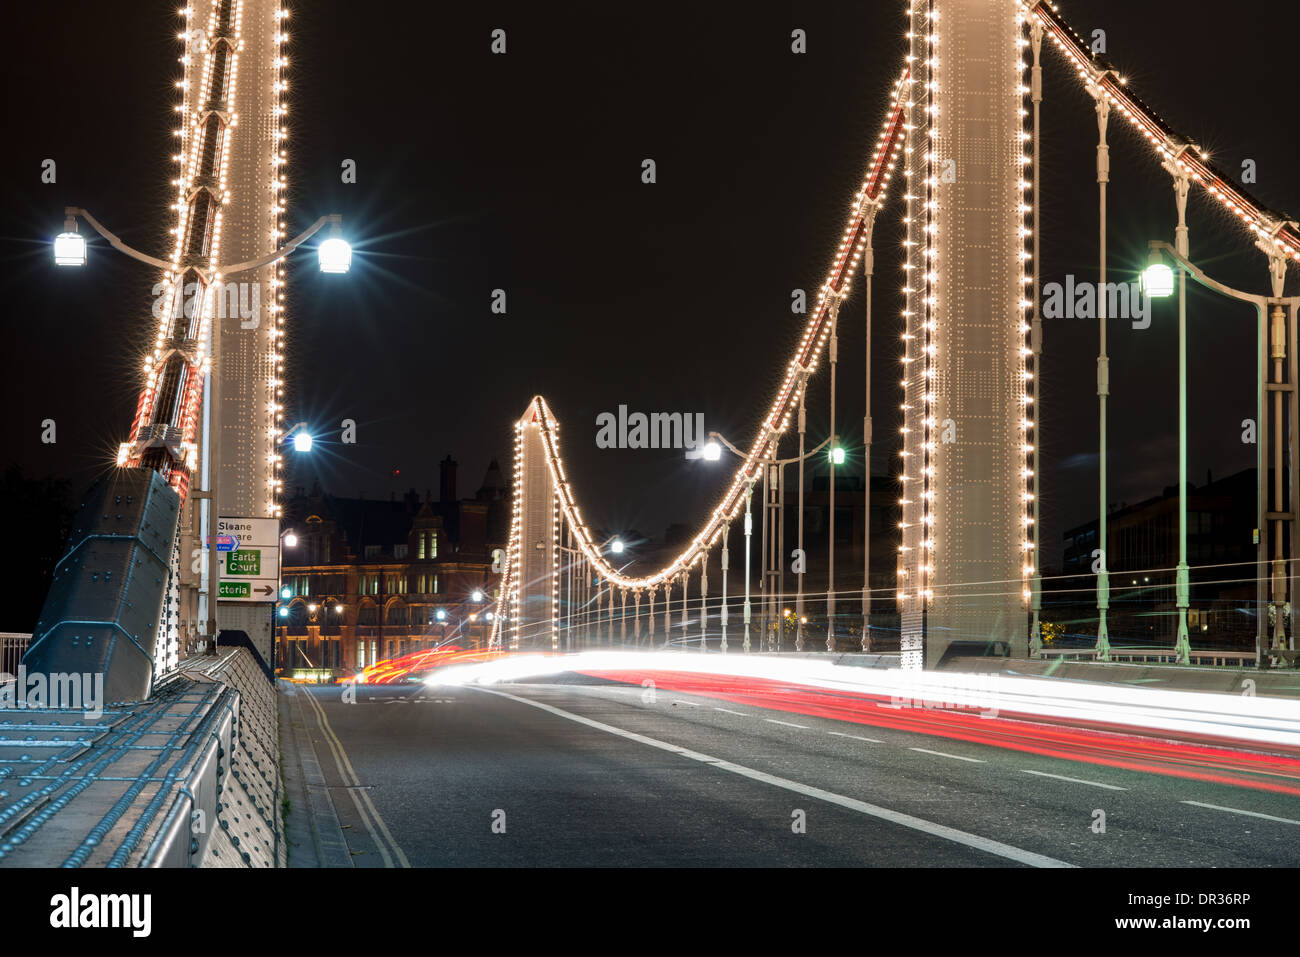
[1272,334]
[712,451]
[335,257]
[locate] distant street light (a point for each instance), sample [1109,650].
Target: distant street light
[836,455]
[440,614]
[302,442]
[477,595]
[286,592]
[290,539]
[712,451]
[616,546]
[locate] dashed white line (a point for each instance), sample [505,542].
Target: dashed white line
[1233,810]
[945,754]
[855,737]
[988,845]
[788,724]
[729,711]
[1062,777]
[693,704]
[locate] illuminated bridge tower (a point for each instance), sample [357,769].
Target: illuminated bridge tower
[533,583]
[230,208]
[966,553]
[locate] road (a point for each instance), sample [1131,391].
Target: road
[583,772]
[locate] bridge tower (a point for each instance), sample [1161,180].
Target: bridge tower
[533,586]
[966,552]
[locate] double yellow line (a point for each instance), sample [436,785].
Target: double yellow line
[366,809]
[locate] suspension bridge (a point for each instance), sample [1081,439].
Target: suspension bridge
[962,129]
[958,153]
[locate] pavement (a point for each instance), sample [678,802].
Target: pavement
[578,771]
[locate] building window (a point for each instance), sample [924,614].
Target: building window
[419,544]
[372,551]
[433,544]
[399,551]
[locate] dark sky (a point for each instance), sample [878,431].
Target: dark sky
[522,172]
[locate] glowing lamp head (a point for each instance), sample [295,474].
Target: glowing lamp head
[335,255]
[286,594]
[284,612]
[69,249]
[302,442]
[1157,279]
[338,609]
[616,546]
[290,540]
[477,596]
[440,614]
[837,455]
[712,451]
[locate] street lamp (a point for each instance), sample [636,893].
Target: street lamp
[70,249]
[1157,280]
[1271,343]
[302,440]
[70,245]
[616,546]
[717,440]
[712,451]
[334,253]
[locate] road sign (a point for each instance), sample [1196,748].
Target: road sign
[245,591]
[249,571]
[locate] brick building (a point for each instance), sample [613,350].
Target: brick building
[367,580]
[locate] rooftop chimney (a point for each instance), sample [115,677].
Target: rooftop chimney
[447,480]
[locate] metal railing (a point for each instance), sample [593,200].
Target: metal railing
[13,645]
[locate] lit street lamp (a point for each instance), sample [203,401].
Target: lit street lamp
[717,441]
[70,250]
[1271,343]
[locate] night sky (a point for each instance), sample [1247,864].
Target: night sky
[522,172]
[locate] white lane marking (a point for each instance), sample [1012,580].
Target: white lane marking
[1062,777]
[1233,810]
[855,737]
[693,704]
[945,754]
[985,844]
[729,711]
[788,724]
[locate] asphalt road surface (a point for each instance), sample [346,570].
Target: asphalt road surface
[588,773]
